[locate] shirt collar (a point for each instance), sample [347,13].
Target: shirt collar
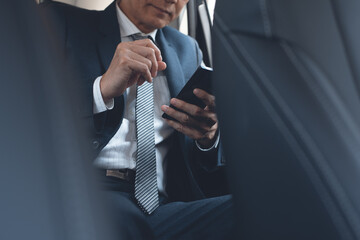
[127,28]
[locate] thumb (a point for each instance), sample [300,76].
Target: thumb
[161,66]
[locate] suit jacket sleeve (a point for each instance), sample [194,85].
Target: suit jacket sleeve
[78,37]
[209,167]
[213,159]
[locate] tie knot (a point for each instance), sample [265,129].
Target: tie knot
[139,36]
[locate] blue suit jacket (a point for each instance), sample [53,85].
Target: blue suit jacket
[89,39]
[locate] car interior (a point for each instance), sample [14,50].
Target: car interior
[47,188]
[289,71]
[286,79]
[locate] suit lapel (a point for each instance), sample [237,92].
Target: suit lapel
[173,72]
[109,36]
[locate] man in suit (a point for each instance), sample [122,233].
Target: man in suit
[113,65]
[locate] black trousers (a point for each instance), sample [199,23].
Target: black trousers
[209,218]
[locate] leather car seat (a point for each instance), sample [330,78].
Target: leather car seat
[287,81]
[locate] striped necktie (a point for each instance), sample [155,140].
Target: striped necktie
[146,189]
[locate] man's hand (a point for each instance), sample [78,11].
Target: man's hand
[197,123]
[133,63]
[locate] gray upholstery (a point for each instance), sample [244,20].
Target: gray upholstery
[46,187]
[287,78]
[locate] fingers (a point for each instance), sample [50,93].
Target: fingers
[139,67]
[185,119]
[132,59]
[132,63]
[201,125]
[148,43]
[161,66]
[193,121]
[192,133]
[148,54]
[204,115]
[140,80]
[152,51]
[207,98]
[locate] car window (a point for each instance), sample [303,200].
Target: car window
[211,7]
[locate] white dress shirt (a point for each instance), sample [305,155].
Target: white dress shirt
[120,152]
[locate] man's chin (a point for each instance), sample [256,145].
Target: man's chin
[156,25]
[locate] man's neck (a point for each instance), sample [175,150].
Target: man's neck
[142,28]
[127,27]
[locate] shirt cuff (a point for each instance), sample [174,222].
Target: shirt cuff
[215,145]
[99,104]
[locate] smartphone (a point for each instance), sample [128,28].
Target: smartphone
[200,79]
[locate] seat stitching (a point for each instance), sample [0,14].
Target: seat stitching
[271,99]
[266,18]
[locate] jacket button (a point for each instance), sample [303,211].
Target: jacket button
[96,144]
